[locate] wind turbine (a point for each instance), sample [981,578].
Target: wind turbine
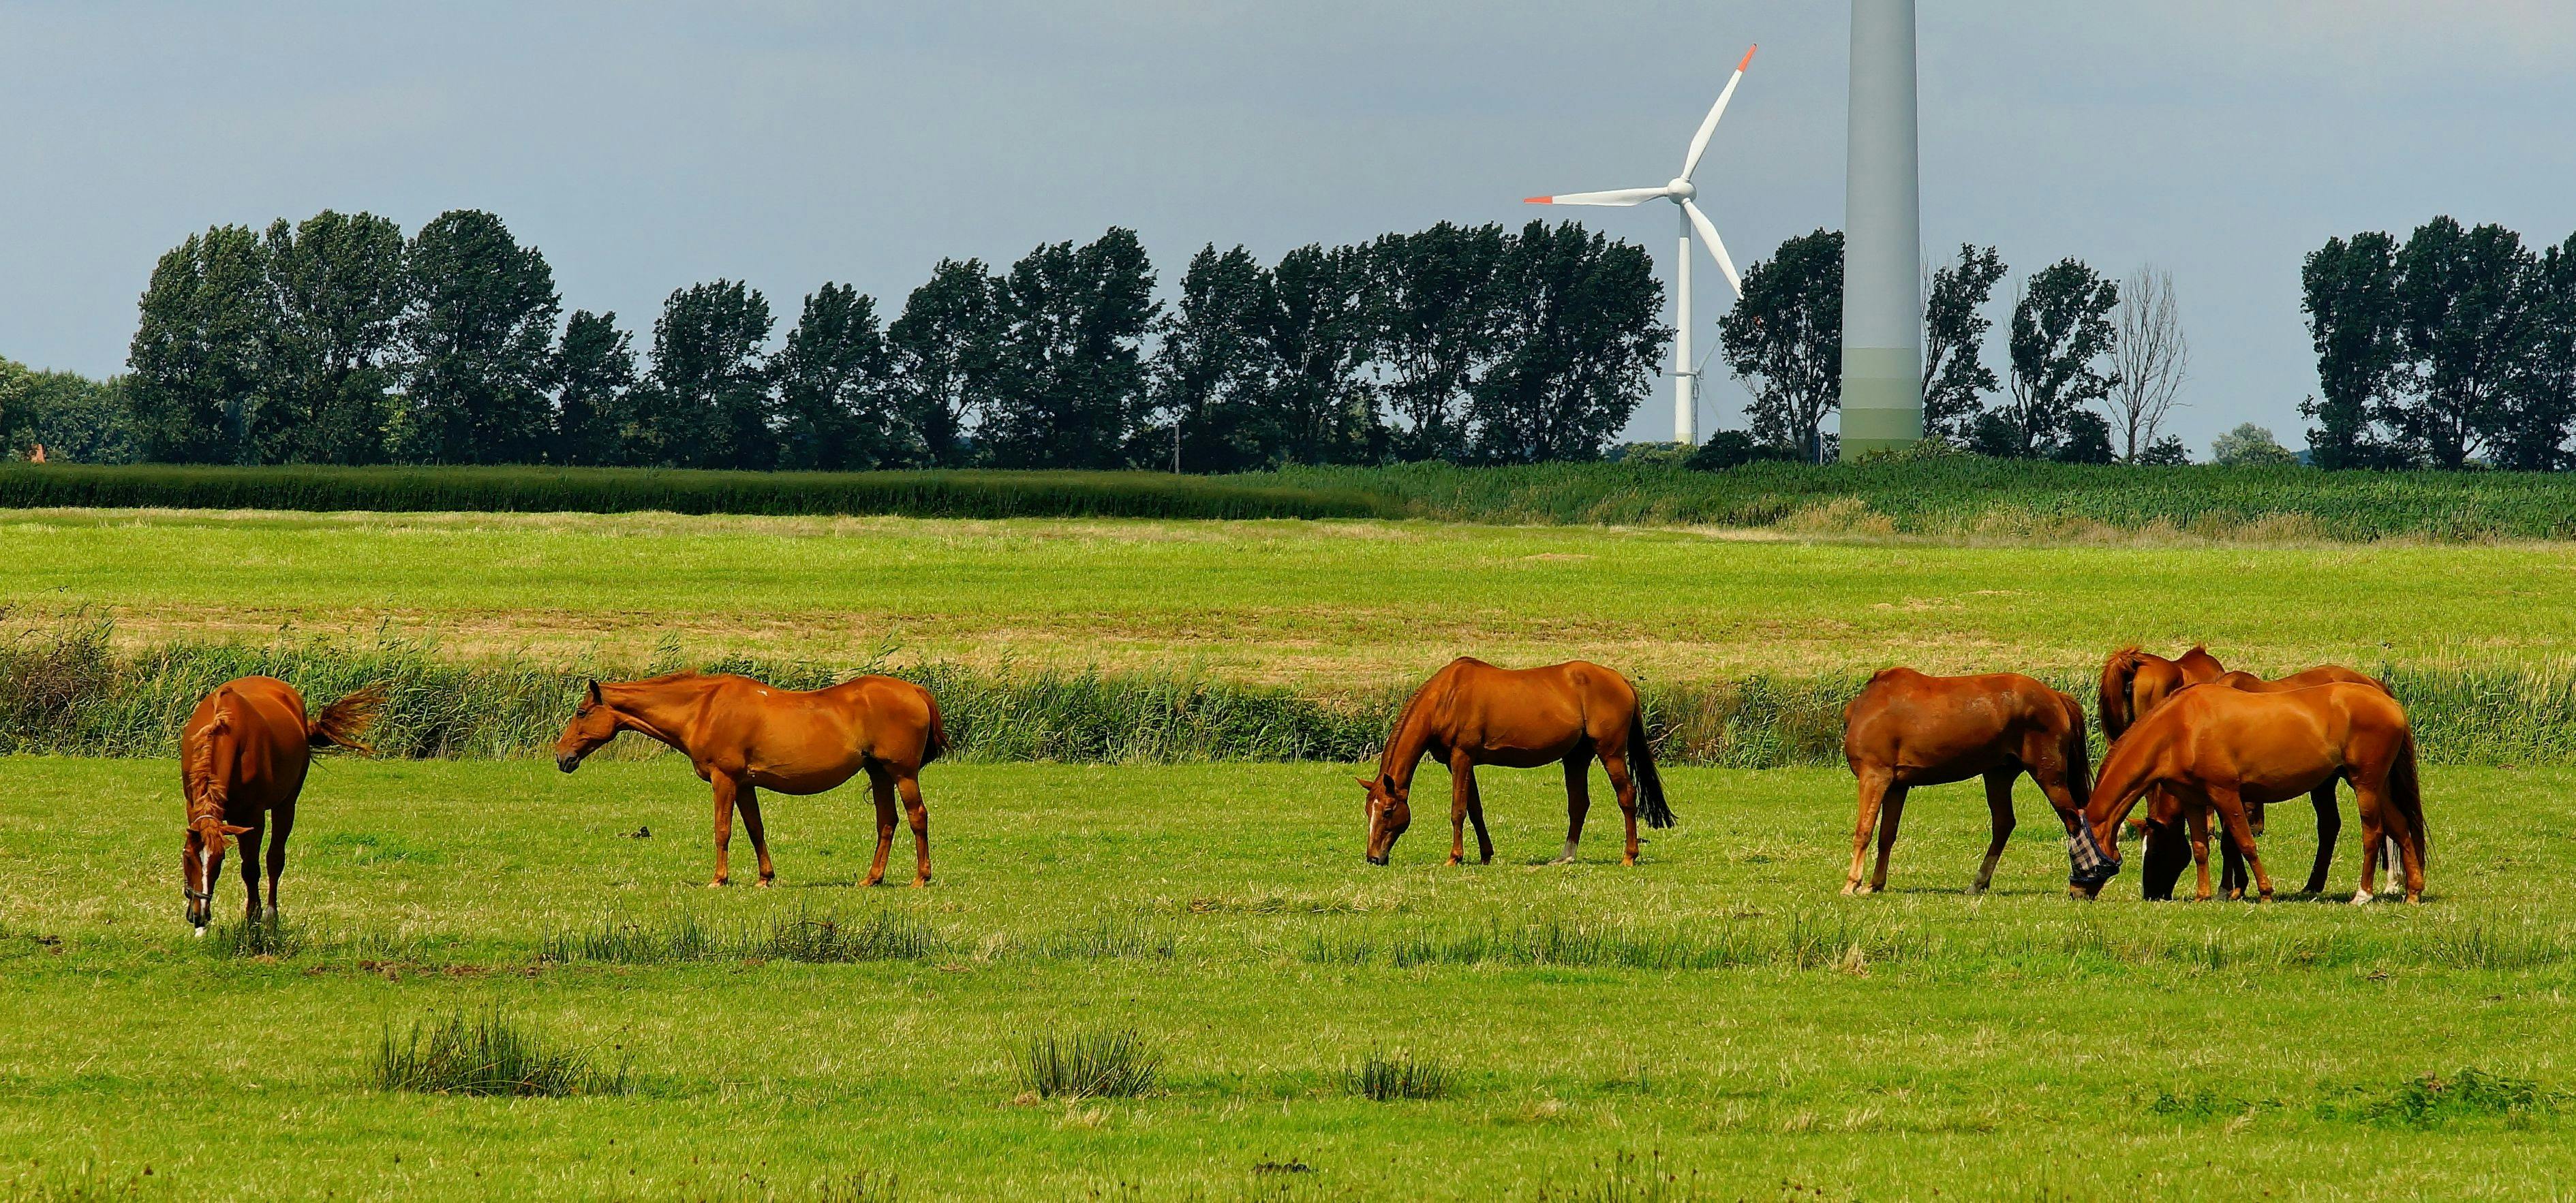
[1680,190]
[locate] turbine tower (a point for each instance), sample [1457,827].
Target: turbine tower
[1679,190]
[1882,401]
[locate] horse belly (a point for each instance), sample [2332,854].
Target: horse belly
[801,758]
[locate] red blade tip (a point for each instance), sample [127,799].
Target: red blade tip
[1538,200]
[1748,56]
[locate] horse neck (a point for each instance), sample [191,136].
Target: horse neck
[661,710]
[1405,748]
[2124,777]
[208,775]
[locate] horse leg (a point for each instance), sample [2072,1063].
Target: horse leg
[2367,803]
[2231,808]
[1476,815]
[749,799]
[724,787]
[284,819]
[1890,811]
[918,814]
[2198,819]
[2329,826]
[1874,784]
[2405,863]
[1578,802]
[881,784]
[248,843]
[1999,787]
[1462,785]
[2231,865]
[1623,786]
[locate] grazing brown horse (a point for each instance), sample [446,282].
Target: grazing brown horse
[242,758]
[2133,682]
[2232,878]
[745,736]
[1472,713]
[2226,749]
[1906,729]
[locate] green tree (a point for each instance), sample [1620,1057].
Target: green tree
[835,406]
[336,282]
[2349,291]
[1956,379]
[2249,445]
[710,403]
[2466,324]
[478,343]
[1435,305]
[77,419]
[1317,334]
[2541,403]
[1207,374]
[199,351]
[1071,375]
[594,380]
[1784,340]
[2061,334]
[946,348]
[1577,332]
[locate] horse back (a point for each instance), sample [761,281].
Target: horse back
[1962,725]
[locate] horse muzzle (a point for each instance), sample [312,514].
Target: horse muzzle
[567,762]
[1377,860]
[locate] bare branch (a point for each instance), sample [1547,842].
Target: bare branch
[2152,357]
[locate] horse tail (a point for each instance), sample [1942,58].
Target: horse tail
[2118,673]
[2405,789]
[344,723]
[2078,753]
[936,740]
[1650,784]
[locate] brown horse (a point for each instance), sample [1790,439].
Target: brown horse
[2232,878]
[745,736]
[2226,749]
[1906,729]
[242,759]
[1472,713]
[2134,681]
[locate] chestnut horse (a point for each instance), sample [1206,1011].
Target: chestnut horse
[242,758]
[2226,749]
[1472,713]
[745,736]
[1906,729]
[2329,818]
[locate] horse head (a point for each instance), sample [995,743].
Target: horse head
[1388,814]
[201,863]
[594,722]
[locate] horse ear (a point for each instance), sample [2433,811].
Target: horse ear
[233,829]
[1365,783]
[595,699]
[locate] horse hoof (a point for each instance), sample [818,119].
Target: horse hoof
[2361,897]
[763,883]
[201,933]
[921,883]
[717,884]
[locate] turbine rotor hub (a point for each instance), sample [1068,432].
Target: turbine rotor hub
[1683,189]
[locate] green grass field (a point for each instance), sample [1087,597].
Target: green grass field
[1717,1010]
[1323,606]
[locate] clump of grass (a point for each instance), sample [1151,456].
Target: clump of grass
[1628,1179]
[1093,1063]
[1106,938]
[487,1053]
[1380,1077]
[807,937]
[2433,1101]
[883,936]
[266,936]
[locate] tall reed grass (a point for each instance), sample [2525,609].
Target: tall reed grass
[488,1053]
[65,688]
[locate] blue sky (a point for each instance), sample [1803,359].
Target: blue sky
[649,146]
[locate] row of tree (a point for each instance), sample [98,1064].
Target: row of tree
[2457,344]
[2076,340]
[338,340]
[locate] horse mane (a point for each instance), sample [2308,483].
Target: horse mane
[206,792]
[1405,713]
[2118,673]
[674,678]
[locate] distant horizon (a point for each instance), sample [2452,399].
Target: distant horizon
[646,149]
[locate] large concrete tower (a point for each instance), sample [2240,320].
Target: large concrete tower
[1882,403]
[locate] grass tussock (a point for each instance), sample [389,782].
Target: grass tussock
[1092,1063]
[488,1053]
[1383,1077]
[807,937]
[2435,1101]
[1628,1178]
[966,494]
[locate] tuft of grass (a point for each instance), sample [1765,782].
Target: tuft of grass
[826,940]
[807,936]
[2433,1101]
[1628,1179]
[487,1053]
[1107,938]
[1380,1077]
[1092,1063]
[268,936]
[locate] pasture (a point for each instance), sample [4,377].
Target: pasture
[1717,1014]
[1325,607]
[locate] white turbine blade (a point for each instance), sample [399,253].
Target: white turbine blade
[1616,196]
[1716,246]
[1699,141]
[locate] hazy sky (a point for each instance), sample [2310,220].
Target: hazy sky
[649,146]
